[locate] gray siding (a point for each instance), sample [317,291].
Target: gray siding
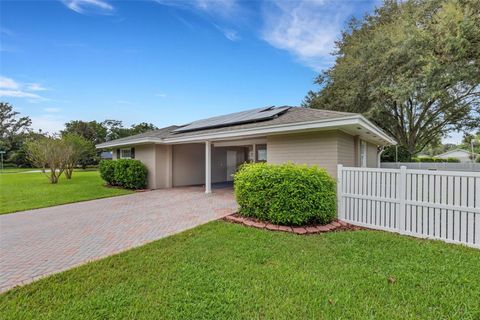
[311,148]
[346,149]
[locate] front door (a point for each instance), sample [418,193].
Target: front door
[231,164]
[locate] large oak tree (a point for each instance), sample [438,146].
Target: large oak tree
[412,67]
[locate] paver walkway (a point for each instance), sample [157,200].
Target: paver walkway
[36,243]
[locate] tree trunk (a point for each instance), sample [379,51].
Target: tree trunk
[53,176]
[68,173]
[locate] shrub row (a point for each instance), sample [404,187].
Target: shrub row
[429,159]
[127,173]
[285,194]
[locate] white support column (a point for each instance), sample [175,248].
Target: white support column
[208,167]
[254,148]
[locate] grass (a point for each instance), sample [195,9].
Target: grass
[23,191]
[226,271]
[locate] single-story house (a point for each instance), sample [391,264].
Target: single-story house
[210,150]
[460,154]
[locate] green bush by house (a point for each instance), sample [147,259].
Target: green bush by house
[127,173]
[107,171]
[286,194]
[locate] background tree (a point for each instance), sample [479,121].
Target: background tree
[48,152]
[77,149]
[116,130]
[469,141]
[13,129]
[412,67]
[92,131]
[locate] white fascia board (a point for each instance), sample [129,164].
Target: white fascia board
[376,130]
[286,128]
[112,144]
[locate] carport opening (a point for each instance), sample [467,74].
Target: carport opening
[189,163]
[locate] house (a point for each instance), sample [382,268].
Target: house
[462,155]
[106,155]
[210,150]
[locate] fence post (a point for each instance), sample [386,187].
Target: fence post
[341,213]
[402,198]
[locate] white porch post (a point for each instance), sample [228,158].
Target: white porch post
[254,148]
[208,167]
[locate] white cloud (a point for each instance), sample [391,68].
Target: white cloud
[33,97]
[306,29]
[7,83]
[52,110]
[224,12]
[161,95]
[222,8]
[48,123]
[9,88]
[123,102]
[230,34]
[36,87]
[89,6]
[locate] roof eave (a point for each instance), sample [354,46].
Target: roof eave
[112,144]
[265,130]
[289,127]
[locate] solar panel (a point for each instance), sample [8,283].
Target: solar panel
[234,118]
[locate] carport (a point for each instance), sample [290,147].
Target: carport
[214,162]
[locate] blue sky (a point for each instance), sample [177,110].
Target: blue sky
[164,61]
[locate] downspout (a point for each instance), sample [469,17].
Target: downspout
[379,155]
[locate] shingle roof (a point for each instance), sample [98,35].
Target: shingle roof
[292,115]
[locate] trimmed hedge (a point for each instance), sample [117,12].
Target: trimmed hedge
[437,160]
[286,194]
[127,173]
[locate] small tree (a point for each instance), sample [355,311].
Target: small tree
[76,149]
[48,152]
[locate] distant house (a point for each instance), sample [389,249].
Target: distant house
[210,150]
[460,154]
[106,155]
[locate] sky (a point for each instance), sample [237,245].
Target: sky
[163,61]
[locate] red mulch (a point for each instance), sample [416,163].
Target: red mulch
[334,226]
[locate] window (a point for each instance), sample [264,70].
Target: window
[126,153]
[363,154]
[261,152]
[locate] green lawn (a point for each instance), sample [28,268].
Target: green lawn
[227,271]
[23,191]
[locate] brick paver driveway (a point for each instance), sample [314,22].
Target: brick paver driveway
[38,242]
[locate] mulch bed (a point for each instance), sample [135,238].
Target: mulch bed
[334,226]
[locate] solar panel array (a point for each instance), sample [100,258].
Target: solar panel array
[234,118]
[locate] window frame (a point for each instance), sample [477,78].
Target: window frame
[122,150]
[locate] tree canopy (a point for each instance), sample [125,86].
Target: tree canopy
[412,67]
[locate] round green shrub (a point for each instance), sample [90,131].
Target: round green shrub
[286,194]
[107,171]
[130,174]
[136,175]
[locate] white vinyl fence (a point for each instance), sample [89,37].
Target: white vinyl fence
[441,205]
